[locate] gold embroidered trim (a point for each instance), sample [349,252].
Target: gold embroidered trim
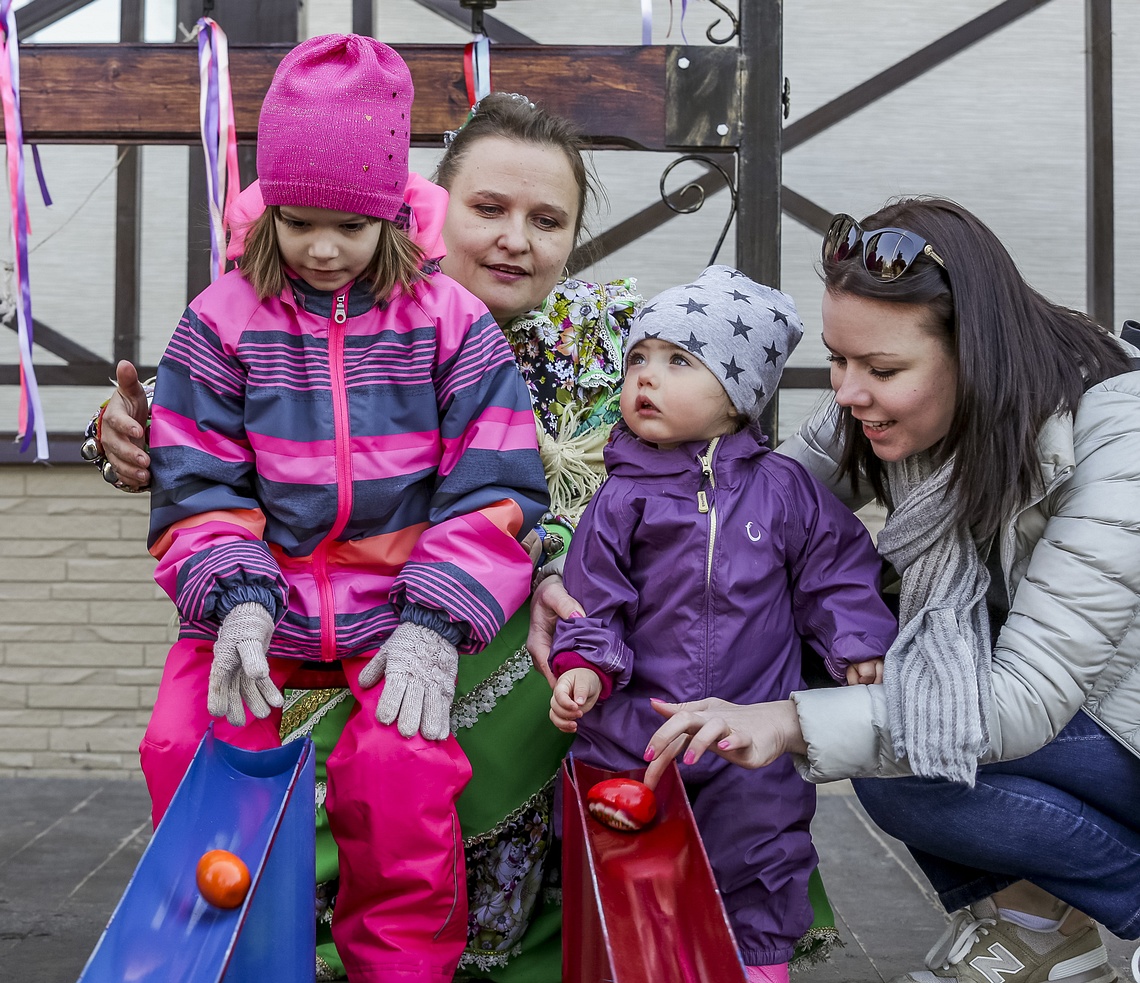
[305,708]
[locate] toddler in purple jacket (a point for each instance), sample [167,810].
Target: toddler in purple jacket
[701,564]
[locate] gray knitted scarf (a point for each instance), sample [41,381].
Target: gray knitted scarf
[937,673]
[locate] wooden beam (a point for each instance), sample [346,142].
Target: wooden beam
[62,449]
[760,160]
[1100,233]
[910,68]
[38,14]
[100,374]
[805,211]
[58,344]
[494,28]
[148,93]
[128,218]
[362,19]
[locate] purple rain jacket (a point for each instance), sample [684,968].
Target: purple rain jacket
[700,569]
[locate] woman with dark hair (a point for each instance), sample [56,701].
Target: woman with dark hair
[1002,432]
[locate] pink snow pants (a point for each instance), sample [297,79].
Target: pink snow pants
[401,913]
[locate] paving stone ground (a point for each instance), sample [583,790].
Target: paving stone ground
[69,846]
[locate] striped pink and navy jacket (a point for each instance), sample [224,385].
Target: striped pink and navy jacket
[344,463]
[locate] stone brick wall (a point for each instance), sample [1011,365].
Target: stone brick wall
[84,630]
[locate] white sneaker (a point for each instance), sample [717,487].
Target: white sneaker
[979,947]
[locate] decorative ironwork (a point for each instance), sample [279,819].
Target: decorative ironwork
[696,186]
[477,7]
[731,16]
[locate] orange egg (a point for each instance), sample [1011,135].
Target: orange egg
[223,878]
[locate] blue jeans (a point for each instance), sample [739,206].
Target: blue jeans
[1066,817]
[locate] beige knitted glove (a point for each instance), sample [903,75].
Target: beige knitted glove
[420,667]
[240,670]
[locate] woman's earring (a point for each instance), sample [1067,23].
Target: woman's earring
[565,274]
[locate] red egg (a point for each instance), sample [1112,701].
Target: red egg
[223,878]
[623,803]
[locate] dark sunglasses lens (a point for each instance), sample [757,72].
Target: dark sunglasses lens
[889,253]
[841,239]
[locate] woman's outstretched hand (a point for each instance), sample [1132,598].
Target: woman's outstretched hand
[549,603]
[751,735]
[123,430]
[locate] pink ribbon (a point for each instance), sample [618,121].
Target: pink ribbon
[30,414]
[219,136]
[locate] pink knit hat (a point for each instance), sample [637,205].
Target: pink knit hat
[335,128]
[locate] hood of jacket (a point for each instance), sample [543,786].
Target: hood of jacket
[627,455]
[426,201]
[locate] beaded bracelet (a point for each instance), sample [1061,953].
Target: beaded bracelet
[92,447]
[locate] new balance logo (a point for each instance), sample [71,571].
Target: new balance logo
[1000,960]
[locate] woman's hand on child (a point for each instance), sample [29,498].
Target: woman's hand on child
[549,603]
[751,735]
[575,693]
[865,673]
[122,432]
[240,671]
[420,668]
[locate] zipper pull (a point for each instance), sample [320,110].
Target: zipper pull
[706,475]
[340,314]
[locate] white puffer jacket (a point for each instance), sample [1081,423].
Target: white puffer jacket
[1071,560]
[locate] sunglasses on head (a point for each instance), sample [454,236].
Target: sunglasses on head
[887,253]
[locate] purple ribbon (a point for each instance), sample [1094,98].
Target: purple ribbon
[40,175]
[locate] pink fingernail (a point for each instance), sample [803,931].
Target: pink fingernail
[650,754]
[690,757]
[723,745]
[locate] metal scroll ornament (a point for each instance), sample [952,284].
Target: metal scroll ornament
[731,16]
[698,188]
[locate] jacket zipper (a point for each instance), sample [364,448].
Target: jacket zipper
[707,507]
[1009,533]
[704,506]
[341,442]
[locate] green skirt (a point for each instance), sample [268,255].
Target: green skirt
[501,719]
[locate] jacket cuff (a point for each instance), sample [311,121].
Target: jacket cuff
[565,661]
[846,732]
[248,594]
[436,621]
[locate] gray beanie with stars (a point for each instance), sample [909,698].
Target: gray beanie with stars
[741,330]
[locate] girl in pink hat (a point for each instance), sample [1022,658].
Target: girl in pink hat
[343,458]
